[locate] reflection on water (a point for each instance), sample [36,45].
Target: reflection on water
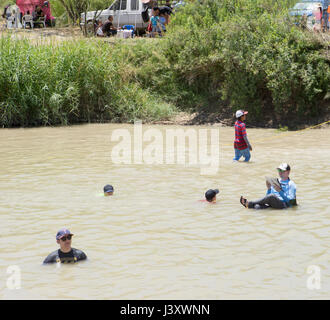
[153,239]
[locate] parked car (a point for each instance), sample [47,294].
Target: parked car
[124,12]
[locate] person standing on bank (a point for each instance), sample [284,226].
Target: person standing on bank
[154,20]
[242,145]
[280,196]
[65,254]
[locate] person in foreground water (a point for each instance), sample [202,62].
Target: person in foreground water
[65,254]
[279,196]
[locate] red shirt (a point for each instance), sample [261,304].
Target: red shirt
[240,132]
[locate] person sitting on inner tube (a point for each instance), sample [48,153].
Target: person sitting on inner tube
[277,197]
[65,254]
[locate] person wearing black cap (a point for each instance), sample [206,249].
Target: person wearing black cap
[108,190]
[280,195]
[66,254]
[211,195]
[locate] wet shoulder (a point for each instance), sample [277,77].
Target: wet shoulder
[79,254]
[52,257]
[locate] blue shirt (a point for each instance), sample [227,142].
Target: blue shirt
[154,20]
[287,193]
[162,20]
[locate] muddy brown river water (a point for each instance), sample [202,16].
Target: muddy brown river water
[153,239]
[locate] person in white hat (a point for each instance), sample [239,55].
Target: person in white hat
[242,145]
[278,196]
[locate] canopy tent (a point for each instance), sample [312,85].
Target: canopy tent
[30,5]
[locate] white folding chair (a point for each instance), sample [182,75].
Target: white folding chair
[41,21]
[27,19]
[44,21]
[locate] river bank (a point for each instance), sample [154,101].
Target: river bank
[32,95]
[216,119]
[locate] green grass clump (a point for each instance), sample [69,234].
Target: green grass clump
[70,82]
[248,54]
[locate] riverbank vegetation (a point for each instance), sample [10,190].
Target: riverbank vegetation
[217,56]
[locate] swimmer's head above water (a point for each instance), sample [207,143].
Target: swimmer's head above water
[108,190]
[65,254]
[211,195]
[63,238]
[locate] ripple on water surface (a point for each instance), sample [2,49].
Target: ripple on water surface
[153,239]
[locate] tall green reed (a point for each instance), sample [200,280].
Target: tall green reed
[69,82]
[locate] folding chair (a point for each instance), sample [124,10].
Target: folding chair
[27,19]
[41,21]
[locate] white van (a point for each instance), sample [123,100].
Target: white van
[124,12]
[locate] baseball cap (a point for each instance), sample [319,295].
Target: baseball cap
[209,194]
[62,232]
[108,188]
[284,167]
[240,113]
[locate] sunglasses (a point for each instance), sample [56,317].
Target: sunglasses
[66,237]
